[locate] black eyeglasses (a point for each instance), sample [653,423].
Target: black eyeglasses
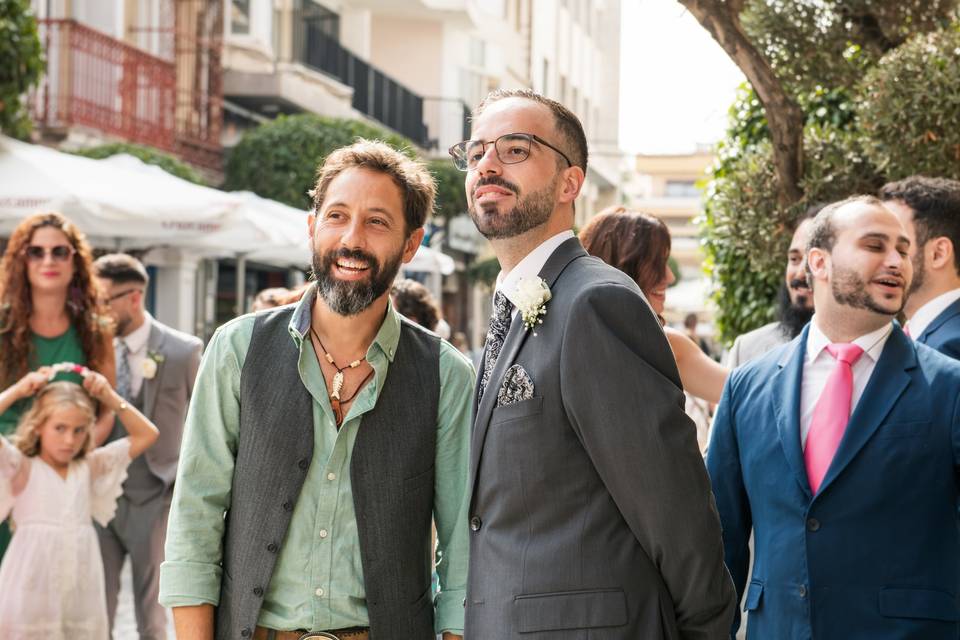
[511,148]
[117,296]
[59,253]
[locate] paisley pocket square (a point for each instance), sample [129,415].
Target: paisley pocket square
[516,386]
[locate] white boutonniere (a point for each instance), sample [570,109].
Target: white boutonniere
[531,300]
[150,364]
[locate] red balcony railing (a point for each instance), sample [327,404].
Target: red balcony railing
[96,81]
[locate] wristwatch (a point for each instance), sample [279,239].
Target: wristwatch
[120,407]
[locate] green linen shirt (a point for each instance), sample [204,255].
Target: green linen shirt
[317,583]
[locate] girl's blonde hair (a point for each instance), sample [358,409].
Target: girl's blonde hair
[55,395]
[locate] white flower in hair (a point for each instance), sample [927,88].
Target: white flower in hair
[531,299]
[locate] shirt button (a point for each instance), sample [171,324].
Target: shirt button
[803,591]
[319,592]
[475,523]
[813,524]
[331,476]
[323,533]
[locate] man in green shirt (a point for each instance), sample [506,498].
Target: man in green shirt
[323,438]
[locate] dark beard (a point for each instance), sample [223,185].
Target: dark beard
[849,289]
[530,212]
[919,267]
[351,298]
[793,317]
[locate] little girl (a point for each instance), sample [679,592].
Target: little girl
[57,483]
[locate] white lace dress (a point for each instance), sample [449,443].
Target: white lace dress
[51,579]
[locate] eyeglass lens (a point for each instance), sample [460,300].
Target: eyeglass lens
[511,149]
[60,253]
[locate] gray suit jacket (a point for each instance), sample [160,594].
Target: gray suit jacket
[166,396]
[591,513]
[753,344]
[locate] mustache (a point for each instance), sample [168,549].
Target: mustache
[352,254]
[496,181]
[799,283]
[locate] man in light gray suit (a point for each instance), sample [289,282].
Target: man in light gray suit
[591,513]
[156,368]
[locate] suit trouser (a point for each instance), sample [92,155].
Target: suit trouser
[139,530]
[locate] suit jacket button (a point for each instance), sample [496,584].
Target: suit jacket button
[272,547]
[813,524]
[288,506]
[303,464]
[475,523]
[257,591]
[803,591]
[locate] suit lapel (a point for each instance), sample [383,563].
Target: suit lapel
[946,314]
[516,336]
[151,385]
[785,397]
[886,385]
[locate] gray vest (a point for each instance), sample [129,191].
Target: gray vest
[391,471]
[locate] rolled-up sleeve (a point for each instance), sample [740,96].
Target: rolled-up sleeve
[451,499]
[191,572]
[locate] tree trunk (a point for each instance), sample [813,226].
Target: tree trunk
[784,116]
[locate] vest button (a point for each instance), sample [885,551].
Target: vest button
[303,464]
[813,524]
[288,506]
[272,547]
[257,591]
[475,523]
[246,632]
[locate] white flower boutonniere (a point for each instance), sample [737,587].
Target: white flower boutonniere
[150,364]
[532,297]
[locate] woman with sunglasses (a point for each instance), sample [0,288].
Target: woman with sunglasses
[639,245]
[49,313]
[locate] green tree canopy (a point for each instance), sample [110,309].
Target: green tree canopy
[21,64]
[148,155]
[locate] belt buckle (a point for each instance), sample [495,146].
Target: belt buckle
[318,635]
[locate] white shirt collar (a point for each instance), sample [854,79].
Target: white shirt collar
[929,312]
[871,343]
[137,340]
[531,265]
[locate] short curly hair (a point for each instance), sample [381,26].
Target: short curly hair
[414,301]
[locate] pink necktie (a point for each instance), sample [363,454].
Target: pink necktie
[906,331]
[831,414]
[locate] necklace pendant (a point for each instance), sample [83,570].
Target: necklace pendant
[337,385]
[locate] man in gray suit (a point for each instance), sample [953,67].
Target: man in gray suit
[156,368]
[795,304]
[591,512]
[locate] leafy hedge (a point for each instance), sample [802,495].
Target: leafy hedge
[21,64]
[148,155]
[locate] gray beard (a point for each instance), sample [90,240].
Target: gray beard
[352,298]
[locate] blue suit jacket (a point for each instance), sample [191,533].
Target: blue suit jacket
[943,334]
[876,553]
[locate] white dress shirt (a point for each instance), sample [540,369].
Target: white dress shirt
[530,266]
[818,364]
[137,344]
[929,312]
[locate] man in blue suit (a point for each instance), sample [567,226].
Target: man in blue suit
[929,209]
[840,450]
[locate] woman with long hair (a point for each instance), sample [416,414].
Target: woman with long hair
[50,313]
[639,245]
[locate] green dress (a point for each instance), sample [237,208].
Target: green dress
[46,351]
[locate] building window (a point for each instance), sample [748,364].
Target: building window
[240,16]
[681,189]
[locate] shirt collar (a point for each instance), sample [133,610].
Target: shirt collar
[871,343]
[929,312]
[137,339]
[385,342]
[531,265]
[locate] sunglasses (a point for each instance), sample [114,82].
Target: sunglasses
[59,253]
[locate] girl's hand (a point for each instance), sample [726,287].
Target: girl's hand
[31,383]
[99,387]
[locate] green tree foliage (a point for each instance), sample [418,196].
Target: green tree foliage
[910,108]
[149,155]
[279,159]
[870,81]
[21,64]
[451,195]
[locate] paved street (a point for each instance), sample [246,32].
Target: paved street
[126,622]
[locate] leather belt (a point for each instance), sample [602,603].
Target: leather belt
[353,633]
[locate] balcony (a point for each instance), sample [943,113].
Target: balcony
[100,83]
[375,94]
